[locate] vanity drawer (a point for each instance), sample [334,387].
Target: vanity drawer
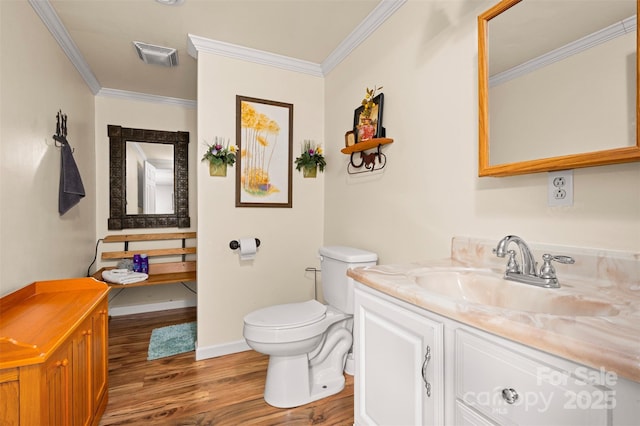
[511,386]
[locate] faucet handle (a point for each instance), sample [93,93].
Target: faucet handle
[563,259]
[512,263]
[547,270]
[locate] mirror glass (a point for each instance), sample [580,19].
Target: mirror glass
[558,85]
[148,178]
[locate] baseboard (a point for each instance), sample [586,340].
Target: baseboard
[117,311]
[220,350]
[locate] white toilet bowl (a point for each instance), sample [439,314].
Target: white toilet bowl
[307,344]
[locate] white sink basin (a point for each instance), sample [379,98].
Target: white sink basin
[487,288]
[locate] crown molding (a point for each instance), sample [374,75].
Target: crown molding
[144,97]
[198,44]
[51,20]
[375,19]
[587,42]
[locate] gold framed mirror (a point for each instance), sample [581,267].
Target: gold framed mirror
[546,73]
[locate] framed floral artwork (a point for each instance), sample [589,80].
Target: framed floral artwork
[264,136]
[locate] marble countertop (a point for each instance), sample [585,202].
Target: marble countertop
[610,279]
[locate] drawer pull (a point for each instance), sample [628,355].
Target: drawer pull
[510,395]
[427,358]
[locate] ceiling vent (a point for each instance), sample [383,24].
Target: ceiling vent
[157,55]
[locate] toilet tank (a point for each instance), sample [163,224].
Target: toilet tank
[337,287]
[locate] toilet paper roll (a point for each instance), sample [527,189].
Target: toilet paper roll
[248,248]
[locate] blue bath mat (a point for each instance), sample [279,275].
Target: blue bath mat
[172,340]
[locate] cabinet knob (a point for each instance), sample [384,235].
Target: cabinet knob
[510,395]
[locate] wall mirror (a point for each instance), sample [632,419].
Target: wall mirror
[558,85]
[148,178]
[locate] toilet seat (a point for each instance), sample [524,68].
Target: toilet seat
[291,322]
[286,316]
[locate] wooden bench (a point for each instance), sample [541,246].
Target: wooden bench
[159,272]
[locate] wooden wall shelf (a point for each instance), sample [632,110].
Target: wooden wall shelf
[367,160]
[363,146]
[159,272]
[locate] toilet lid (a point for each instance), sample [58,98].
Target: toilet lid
[288,315]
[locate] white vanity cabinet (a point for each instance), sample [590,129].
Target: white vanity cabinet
[509,385]
[399,364]
[476,378]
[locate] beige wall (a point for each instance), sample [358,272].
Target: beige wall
[425,56]
[36,81]
[227,288]
[140,115]
[549,112]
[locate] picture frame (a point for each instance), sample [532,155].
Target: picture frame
[349,139]
[264,137]
[376,119]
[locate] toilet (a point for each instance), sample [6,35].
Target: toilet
[308,342]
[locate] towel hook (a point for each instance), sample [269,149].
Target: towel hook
[61,130]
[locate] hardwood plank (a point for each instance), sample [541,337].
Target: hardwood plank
[181,391]
[154,279]
[150,252]
[149,237]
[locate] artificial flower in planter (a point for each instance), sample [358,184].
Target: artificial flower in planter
[220,156]
[368,103]
[311,159]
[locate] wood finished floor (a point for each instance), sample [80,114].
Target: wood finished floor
[181,391]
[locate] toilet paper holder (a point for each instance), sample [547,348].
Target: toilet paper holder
[235,244]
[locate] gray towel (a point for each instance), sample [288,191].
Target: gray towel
[71,189]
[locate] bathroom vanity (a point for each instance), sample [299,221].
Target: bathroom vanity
[480,350]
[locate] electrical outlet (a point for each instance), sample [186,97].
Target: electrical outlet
[560,188]
[559,194]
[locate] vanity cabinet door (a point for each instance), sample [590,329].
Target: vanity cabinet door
[9,397]
[399,364]
[100,358]
[81,368]
[58,385]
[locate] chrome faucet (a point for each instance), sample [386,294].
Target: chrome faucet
[528,273]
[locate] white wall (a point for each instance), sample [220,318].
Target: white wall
[425,56]
[229,289]
[37,80]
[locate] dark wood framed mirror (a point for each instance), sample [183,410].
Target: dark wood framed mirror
[148,178]
[558,85]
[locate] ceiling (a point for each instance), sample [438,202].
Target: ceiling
[98,35]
